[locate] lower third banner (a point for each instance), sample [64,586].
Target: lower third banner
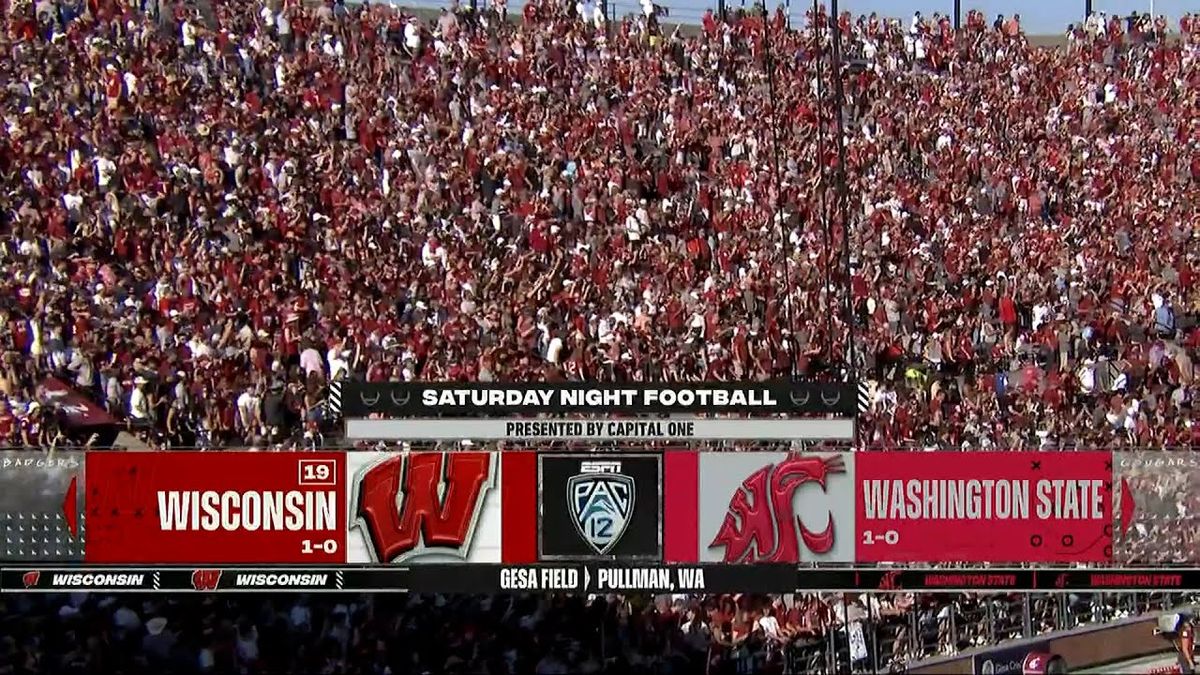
[439,578]
[993,507]
[596,577]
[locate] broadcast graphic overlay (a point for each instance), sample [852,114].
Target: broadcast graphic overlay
[984,507]
[600,506]
[477,521]
[775,507]
[216,507]
[524,506]
[1158,507]
[41,506]
[556,507]
[423,507]
[589,577]
[407,399]
[534,412]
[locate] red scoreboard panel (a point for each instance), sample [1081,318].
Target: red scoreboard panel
[643,508]
[979,507]
[215,507]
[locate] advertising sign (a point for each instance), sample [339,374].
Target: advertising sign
[1007,660]
[40,506]
[423,507]
[216,507]
[776,507]
[990,507]
[600,506]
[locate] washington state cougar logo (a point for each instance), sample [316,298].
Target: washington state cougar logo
[761,524]
[422,502]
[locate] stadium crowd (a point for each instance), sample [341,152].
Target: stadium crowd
[94,634]
[211,210]
[374,635]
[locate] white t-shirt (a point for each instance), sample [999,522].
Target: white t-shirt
[412,36]
[82,369]
[554,350]
[199,349]
[310,361]
[247,646]
[139,404]
[338,364]
[300,616]
[112,389]
[187,33]
[247,405]
[104,171]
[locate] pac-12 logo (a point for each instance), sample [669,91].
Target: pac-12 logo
[761,524]
[601,501]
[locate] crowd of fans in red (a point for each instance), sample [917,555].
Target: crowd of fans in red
[209,211]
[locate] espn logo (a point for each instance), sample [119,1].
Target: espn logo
[599,467]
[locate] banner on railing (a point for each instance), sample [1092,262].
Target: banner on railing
[522,507]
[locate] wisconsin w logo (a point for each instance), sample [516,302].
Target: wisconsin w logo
[206,580]
[601,505]
[423,502]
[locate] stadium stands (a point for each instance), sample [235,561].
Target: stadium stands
[214,218]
